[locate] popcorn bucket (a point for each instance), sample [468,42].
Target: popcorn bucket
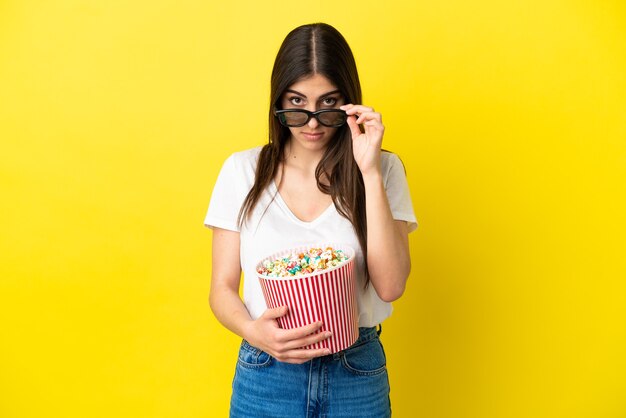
[327,295]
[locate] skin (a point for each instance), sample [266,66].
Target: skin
[387,238]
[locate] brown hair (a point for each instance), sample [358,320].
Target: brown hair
[307,50]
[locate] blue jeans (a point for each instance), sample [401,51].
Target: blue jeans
[350,383]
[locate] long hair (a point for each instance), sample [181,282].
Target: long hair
[307,50]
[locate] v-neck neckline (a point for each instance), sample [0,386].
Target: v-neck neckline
[292,216]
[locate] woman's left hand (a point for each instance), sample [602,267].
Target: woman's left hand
[365,145]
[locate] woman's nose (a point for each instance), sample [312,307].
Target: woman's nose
[313,122]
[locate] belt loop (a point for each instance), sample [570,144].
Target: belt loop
[380,329]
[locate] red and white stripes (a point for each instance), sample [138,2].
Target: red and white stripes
[328,296]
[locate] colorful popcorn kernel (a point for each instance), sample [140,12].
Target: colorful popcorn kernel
[295,264]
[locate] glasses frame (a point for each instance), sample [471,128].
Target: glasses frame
[282,120]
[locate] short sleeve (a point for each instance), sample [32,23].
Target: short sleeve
[397,188]
[226,199]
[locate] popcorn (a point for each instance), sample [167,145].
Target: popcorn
[297,264]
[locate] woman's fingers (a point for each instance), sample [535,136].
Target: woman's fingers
[352,109]
[355,131]
[301,337]
[302,356]
[369,117]
[275,312]
[308,340]
[298,333]
[291,342]
[286,344]
[363,115]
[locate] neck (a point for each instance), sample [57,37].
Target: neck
[302,158]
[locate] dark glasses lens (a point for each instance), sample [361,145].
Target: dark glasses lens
[332,118]
[293,118]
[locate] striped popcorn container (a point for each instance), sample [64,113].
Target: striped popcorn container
[327,295]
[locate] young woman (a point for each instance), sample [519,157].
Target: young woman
[322,177]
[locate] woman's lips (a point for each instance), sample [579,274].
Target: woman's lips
[312,135]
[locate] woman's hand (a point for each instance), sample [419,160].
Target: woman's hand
[365,145]
[284,344]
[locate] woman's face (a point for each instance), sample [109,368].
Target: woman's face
[313,93]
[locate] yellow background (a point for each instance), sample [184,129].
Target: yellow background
[115,117]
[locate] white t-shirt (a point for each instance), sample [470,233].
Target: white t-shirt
[273,227]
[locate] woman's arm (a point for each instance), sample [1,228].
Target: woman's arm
[264,333]
[225,277]
[388,258]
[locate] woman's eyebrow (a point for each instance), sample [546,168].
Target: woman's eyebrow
[329,93]
[321,97]
[295,92]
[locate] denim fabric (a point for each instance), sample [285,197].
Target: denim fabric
[350,383]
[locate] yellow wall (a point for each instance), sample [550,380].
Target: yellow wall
[115,117]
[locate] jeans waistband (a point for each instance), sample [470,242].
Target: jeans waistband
[366,334]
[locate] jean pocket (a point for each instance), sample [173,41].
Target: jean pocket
[252,357]
[366,359]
